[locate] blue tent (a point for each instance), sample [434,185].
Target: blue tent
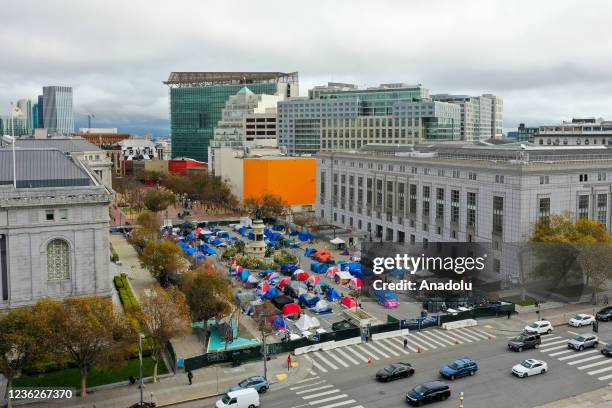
[308,299]
[216,242]
[244,275]
[200,256]
[242,231]
[314,266]
[190,251]
[309,251]
[210,251]
[190,236]
[294,233]
[332,294]
[278,227]
[354,268]
[288,268]
[251,235]
[306,236]
[271,293]
[278,323]
[223,234]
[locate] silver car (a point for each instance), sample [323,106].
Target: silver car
[583,341]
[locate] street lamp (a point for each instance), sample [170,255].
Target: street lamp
[461,399]
[11,140]
[140,337]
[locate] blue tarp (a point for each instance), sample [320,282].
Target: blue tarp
[332,294]
[294,233]
[190,251]
[223,234]
[271,293]
[278,323]
[309,300]
[306,236]
[216,242]
[319,267]
[244,275]
[242,231]
[278,227]
[210,251]
[309,251]
[251,235]
[353,267]
[200,255]
[288,268]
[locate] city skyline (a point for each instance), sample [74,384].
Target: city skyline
[500,49]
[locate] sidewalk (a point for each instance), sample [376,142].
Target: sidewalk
[139,278]
[207,382]
[601,398]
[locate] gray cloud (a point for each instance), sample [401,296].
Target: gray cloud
[549,59]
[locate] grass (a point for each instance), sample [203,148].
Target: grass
[71,377]
[516,299]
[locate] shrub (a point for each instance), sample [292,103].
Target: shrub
[284,258]
[128,300]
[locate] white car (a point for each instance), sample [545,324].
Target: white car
[539,327]
[581,319]
[530,367]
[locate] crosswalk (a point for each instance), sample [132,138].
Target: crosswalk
[589,361]
[416,342]
[318,393]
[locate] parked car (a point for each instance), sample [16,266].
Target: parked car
[525,341]
[428,392]
[605,314]
[256,382]
[143,405]
[607,350]
[530,367]
[539,327]
[459,368]
[395,371]
[583,341]
[246,398]
[581,319]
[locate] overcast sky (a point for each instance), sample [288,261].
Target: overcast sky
[549,60]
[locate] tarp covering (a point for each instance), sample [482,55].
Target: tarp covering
[252,279]
[309,299]
[313,280]
[271,294]
[307,323]
[322,306]
[283,282]
[305,236]
[310,251]
[244,275]
[349,302]
[288,269]
[262,288]
[281,300]
[332,294]
[291,309]
[331,271]
[278,323]
[301,275]
[296,287]
[342,277]
[337,241]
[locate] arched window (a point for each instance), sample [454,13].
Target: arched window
[58,260]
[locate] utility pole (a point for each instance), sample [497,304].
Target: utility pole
[265,354]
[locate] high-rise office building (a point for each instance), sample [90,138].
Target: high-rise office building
[58,117]
[41,119]
[25,105]
[197,100]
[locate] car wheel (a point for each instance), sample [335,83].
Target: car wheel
[420,404]
[263,390]
[452,378]
[520,349]
[549,331]
[472,373]
[524,375]
[580,348]
[595,344]
[443,397]
[543,371]
[536,345]
[252,406]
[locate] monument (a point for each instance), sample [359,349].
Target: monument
[257,247]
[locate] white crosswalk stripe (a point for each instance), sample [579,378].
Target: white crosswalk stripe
[468,335]
[321,401]
[448,336]
[546,338]
[308,379]
[356,353]
[312,384]
[440,339]
[479,333]
[384,346]
[332,355]
[483,332]
[456,334]
[396,345]
[584,359]
[367,352]
[547,349]
[340,350]
[599,371]
[338,404]
[412,341]
[325,361]
[425,340]
[582,353]
[584,367]
[558,353]
[315,364]
[553,342]
[313,389]
[320,394]
[371,348]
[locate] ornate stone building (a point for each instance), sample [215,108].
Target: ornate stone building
[54,228]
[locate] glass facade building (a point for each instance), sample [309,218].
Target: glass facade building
[58,116]
[197,101]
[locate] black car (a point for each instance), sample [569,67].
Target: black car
[524,341]
[607,350]
[143,405]
[605,314]
[428,392]
[395,371]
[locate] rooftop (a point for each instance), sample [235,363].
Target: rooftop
[40,168]
[66,145]
[220,78]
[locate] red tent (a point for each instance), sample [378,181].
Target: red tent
[313,280]
[331,272]
[291,309]
[283,282]
[300,275]
[349,302]
[263,287]
[239,268]
[355,283]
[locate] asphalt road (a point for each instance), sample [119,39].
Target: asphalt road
[570,373]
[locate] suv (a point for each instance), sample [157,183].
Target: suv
[525,341]
[459,368]
[539,327]
[583,341]
[607,350]
[428,392]
[604,314]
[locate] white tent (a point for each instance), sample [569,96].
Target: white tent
[307,323]
[337,241]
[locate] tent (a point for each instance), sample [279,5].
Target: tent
[262,288]
[273,278]
[319,253]
[307,323]
[355,283]
[300,275]
[271,294]
[322,306]
[349,302]
[295,289]
[252,279]
[291,309]
[332,294]
[283,282]
[354,268]
[278,323]
[313,280]
[306,236]
[239,268]
[309,251]
[308,299]
[288,269]
[244,275]
[281,300]
[342,277]
[331,271]
[223,234]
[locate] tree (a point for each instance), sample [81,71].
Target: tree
[595,260]
[147,229]
[304,220]
[270,205]
[162,258]
[164,314]
[89,331]
[209,293]
[133,192]
[158,200]
[20,343]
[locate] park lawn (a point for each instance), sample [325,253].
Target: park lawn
[70,377]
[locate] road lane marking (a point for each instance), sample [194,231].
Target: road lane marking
[435,335]
[338,404]
[558,353]
[315,364]
[459,335]
[308,379]
[385,347]
[367,352]
[414,342]
[601,370]
[371,347]
[335,397]
[584,359]
[606,361]
[574,333]
[322,387]
[547,340]
[356,353]
[340,350]
[445,335]
[550,343]
[468,335]
[307,385]
[424,340]
[320,394]
[397,346]
[581,353]
[547,349]
[478,333]
[605,377]
[325,361]
[332,355]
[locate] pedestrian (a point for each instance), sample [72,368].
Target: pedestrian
[605,299]
[190,376]
[289,362]
[405,343]
[509,313]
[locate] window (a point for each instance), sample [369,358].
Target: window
[379,194]
[583,177]
[439,204]
[472,176]
[602,208]
[499,178]
[496,266]
[426,193]
[583,206]
[471,209]
[63,214]
[455,206]
[498,214]
[389,196]
[58,260]
[400,198]
[412,208]
[601,176]
[544,179]
[544,208]
[456,174]
[49,215]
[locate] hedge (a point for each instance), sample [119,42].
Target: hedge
[128,300]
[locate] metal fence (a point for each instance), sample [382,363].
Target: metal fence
[490,310]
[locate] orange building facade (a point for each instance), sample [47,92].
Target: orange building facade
[293,179]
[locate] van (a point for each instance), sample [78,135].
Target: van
[246,398]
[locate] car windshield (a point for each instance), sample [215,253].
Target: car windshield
[578,317]
[526,364]
[579,338]
[420,390]
[389,369]
[534,325]
[453,365]
[226,399]
[519,338]
[243,382]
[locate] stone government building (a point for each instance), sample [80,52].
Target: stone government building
[54,228]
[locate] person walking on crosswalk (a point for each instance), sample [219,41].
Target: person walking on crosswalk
[405,343]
